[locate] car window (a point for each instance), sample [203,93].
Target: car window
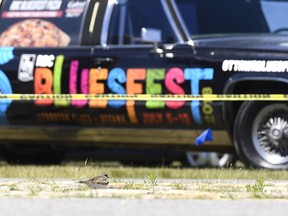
[275,13]
[130,16]
[232,17]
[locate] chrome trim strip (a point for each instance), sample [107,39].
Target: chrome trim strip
[106,22]
[93,17]
[183,26]
[123,11]
[171,21]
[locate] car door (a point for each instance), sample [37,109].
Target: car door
[123,47]
[42,46]
[150,54]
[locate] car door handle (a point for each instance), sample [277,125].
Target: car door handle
[103,61]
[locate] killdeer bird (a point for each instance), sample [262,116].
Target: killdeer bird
[98,182]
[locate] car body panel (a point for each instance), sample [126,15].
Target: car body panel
[97,63]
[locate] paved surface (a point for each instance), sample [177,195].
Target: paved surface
[124,207]
[15,206]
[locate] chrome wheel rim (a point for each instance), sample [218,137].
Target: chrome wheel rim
[270,133]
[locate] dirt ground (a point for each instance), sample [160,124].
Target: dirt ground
[146,189]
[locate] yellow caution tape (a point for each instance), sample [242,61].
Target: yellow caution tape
[146,97]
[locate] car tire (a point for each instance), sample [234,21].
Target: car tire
[261,134]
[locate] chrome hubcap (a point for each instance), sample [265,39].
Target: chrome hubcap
[273,136]
[270,129]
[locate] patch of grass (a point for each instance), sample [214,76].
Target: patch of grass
[211,188]
[129,185]
[13,187]
[257,187]
[152,181]
[219,188]
[89,169]
[230,196]
[179,186]
[114,180]
[34,190]
[55,187]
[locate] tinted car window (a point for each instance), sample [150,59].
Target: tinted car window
[275,13]
[231,17]
[129,17]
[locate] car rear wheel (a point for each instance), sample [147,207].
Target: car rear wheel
[261,134]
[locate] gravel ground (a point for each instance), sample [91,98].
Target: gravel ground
[53,197]
[146,189]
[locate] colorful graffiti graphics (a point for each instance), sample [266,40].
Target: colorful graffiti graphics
[49,75]
[6,54]
[5,88]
